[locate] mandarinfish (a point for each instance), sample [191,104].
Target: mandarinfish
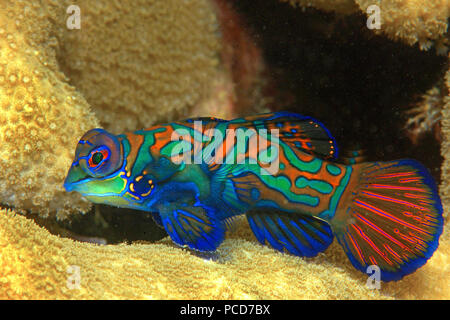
[281,171]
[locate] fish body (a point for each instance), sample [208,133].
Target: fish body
[281,171]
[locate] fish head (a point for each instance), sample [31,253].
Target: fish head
[97,169]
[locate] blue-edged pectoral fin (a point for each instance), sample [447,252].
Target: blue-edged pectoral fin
[194,225]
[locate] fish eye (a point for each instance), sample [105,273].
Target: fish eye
[98,157]
[99,153]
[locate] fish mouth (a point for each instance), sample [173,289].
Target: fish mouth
[68,186]
[69,183]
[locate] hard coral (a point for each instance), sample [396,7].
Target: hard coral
[37,265]
[412,21]
[243,60]
[41,116]
[141,62]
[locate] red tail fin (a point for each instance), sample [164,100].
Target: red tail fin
[392,218]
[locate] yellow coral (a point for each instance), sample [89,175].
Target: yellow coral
[413,21]
[41,115]
[37,265]
[141,62]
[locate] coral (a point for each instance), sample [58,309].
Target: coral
[445,146]
[239,88]
[243,60]
[41,115]
[148,60]
[37,265]
[412,21]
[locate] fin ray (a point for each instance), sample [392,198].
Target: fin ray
[298,131]
[393,220]
[193,225]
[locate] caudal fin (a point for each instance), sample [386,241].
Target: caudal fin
[392,218]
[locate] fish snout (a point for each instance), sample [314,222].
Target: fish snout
[67,185]
[74,175]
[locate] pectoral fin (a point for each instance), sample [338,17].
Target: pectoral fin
[194,225]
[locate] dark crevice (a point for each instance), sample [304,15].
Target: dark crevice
[102,225]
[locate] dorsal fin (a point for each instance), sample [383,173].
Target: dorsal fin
[298,131]
[302,132]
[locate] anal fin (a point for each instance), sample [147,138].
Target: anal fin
[299,234]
